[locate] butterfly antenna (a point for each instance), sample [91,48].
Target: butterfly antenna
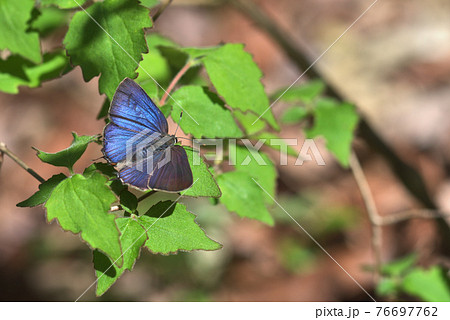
[181,114]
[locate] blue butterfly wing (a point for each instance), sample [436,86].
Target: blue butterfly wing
[176,175]
[114,142]
[133,109]
[173,176]
[133,116]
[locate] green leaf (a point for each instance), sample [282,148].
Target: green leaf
[387,287]
[296,257]
[128,201]
[166,110]
[15,71]
[104,168]
[63,4]
[52,67]
[45,190]
[14,16]
[204,183]
[149,3]
[279,145]
[237,79]
[99,53]
[104,109]
[132,238]
[213,120]
[256,165]
[155,40]
[195,53]
[154,67]
[174,55]
[247,120]
[242,195]
[431,285]
[175,231]
[306,92]
[294,115]
[81,205]
[67,157]
[49,19]
[400,266]
[336,122]
[152,90]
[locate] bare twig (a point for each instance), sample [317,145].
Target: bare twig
[377,221]
[372,211]
[4,150]
[161,9]
[174,82]
[1,160]
[412,214]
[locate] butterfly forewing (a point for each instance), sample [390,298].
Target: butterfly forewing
[131,108]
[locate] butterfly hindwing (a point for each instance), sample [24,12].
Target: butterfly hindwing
[169,174]
[175,175]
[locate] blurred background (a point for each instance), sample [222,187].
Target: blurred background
[394,64]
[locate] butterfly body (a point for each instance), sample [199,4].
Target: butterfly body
[136,140]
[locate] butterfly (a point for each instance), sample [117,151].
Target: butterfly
[137,143]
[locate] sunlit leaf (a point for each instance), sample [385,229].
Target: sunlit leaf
[175,230]
[68,157]
[14,16]
[81,205]
[45,190]
[113,54]
[242,195]
[336,122]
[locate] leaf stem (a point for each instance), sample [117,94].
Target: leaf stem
[4,150]
[174,82]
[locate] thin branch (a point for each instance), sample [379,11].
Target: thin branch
[174,82]
[1,159]
[161,9]
[412,214]
[377,221]
[4,150]
[372,211]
